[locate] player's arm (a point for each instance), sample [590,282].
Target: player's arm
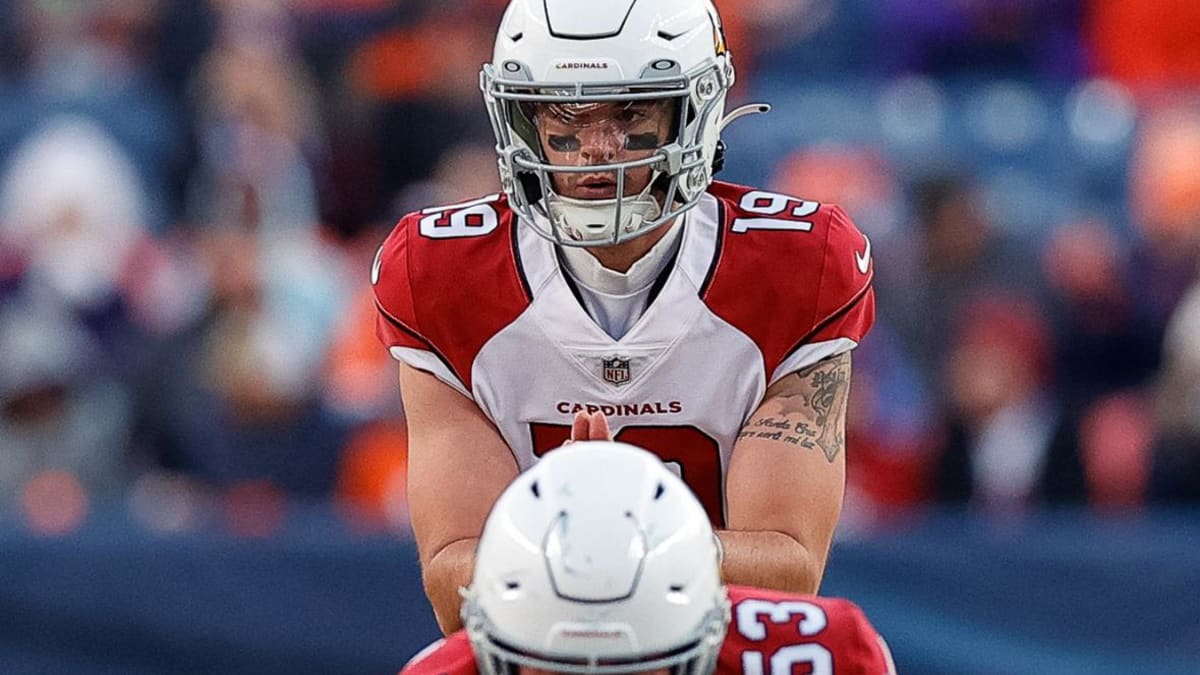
[458,465]
[784,495]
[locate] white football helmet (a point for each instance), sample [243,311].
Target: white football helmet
[597,560]
[580,52]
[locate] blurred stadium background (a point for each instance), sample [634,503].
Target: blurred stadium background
[202,452]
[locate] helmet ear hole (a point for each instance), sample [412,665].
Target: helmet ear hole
[718,162]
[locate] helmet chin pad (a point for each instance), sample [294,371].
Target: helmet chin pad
[583,222]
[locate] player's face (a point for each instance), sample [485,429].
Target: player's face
[588,134]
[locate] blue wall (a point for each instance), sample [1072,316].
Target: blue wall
[953,594]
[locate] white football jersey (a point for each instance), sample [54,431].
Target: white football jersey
[762,285]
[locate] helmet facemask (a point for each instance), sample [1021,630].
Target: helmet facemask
[648,155]
[494,656]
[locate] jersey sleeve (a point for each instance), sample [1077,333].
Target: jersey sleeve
[845,298]
[397,324]
[446,281]
[449,656]
[772,632]
[798,285]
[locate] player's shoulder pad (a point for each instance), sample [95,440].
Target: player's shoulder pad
[806,262]
[830,230]
[841,614]
[428,249]
[430,272]
[778,618]
[449,656]
[858,643]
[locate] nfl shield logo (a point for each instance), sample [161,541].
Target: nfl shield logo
[616,370]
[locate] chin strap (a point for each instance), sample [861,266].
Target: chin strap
[594,220]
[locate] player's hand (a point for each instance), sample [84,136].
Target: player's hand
[593,427]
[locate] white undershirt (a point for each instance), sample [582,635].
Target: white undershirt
[615,301]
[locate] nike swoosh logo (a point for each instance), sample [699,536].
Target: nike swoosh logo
[375,266]
[863,259]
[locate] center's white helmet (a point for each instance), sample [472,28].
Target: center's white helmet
[585,51]
[597,560]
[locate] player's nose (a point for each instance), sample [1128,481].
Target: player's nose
[599,145]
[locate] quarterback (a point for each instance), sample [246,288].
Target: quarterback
[614,286]
[599,560]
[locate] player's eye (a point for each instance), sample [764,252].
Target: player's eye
[630,115]
[647,141]
[560,143]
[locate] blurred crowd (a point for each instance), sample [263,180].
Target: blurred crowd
[191,192]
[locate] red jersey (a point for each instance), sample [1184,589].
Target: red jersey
[762,285]
[774,633]
[770,633]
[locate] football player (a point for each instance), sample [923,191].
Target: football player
[616,286]
[599,560]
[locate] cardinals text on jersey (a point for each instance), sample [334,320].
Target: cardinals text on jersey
[763,285]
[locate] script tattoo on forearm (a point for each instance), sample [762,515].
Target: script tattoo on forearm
[812,411]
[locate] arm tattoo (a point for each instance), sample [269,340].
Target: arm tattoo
[813,409]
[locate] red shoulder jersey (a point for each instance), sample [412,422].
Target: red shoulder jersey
[449,656]
[762,285]
[777,633]
[770,633]
[447,279]
[790,291]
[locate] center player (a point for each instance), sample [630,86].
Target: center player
[599,560]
